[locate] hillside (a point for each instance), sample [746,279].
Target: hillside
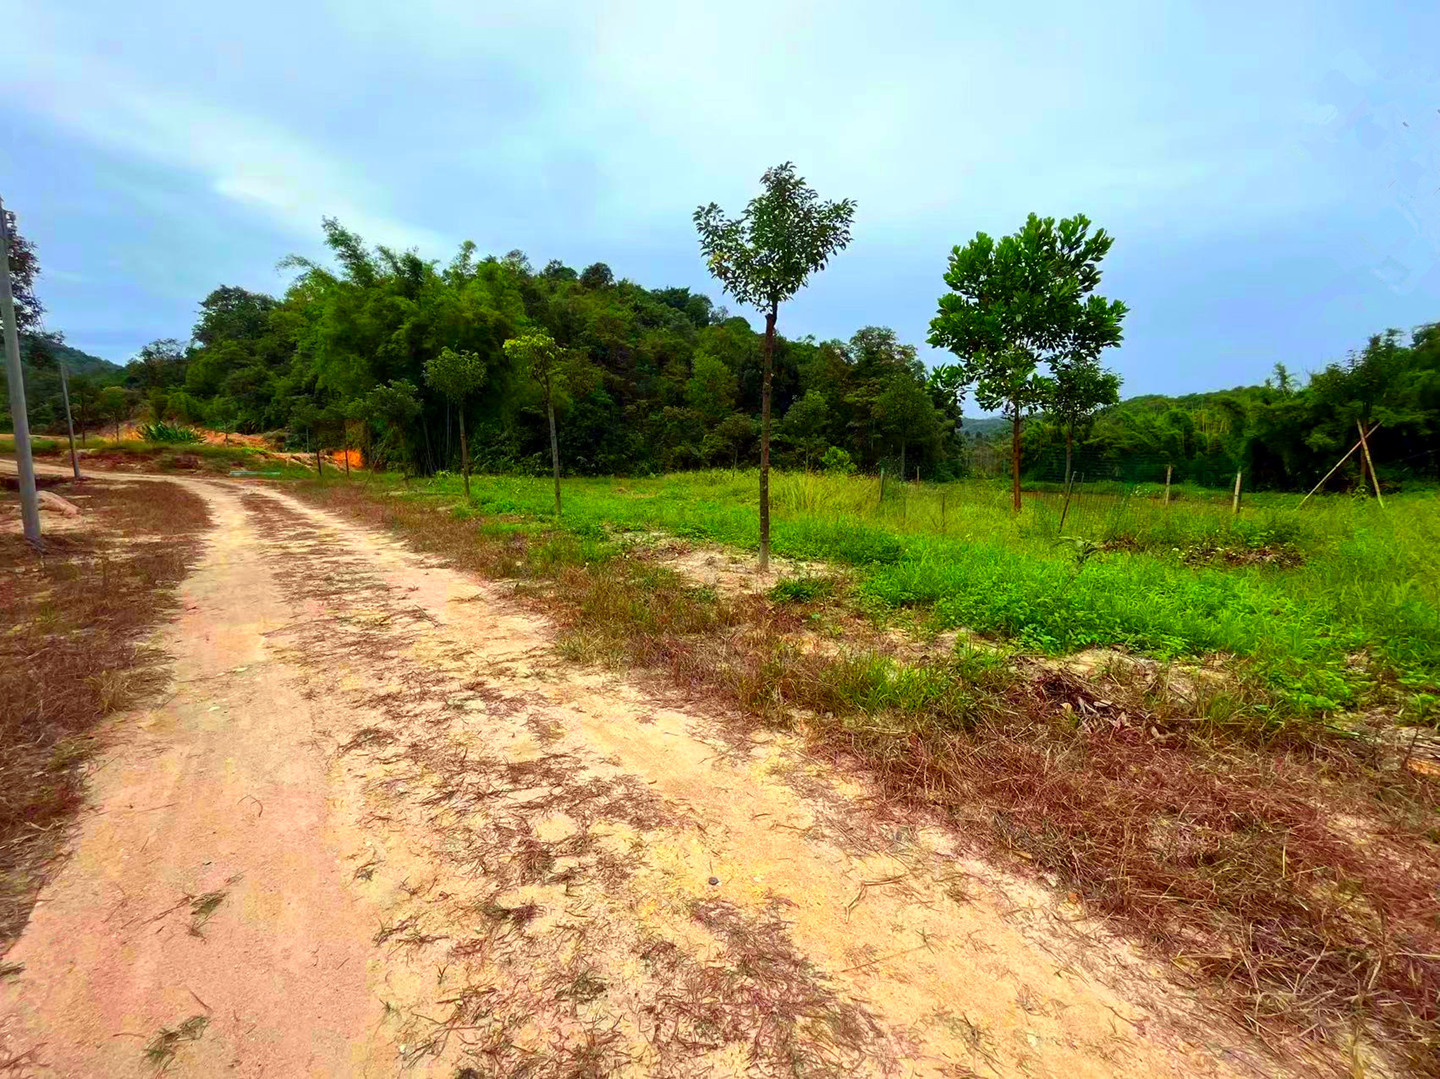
[76,362]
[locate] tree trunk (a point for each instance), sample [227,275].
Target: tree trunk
[345,427]
[1015,461]
[1069,448]
[765,437]
[319,464]
[554,444]
[464,452]
[902,461]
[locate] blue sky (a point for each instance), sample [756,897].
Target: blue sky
[1269,171]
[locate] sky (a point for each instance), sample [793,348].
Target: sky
[1270,171]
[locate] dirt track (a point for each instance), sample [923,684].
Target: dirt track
[379,825]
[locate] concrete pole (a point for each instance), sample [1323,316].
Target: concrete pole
[29,504]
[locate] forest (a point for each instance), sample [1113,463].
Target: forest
[658,380]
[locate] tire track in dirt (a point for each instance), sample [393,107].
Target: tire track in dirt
[474,859]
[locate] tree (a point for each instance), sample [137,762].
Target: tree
[763,258]
[115,404]
[711,388]
[223,414]
[24,268]
[804,424]
[596,275]
[1081,387]
[457,375]
[904,412]
[82,395]
[731,435]
[1025,301]
[538,354]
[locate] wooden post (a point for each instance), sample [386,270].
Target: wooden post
[1235,501]
[942,513]
[1168,469]
[1336,469]
[1365,445]
[881,504]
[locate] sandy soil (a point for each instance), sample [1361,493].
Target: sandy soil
[377,825]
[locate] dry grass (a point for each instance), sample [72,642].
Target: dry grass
[1293,878]
[71,652]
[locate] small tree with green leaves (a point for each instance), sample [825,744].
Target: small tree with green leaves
[394,406]
[539,356]
[805,423]
[457,375]
[1021,302]
[224,413]
[115,404]
[1081,387]
[763,258]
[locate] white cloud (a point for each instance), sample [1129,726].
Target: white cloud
[253,161]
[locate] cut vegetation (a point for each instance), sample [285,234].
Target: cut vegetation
[73,651]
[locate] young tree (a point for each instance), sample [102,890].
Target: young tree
[731,435]
[763,258]
[395,406]
[1081,388]
[805,423]
[82,394]
[554,370]
[457,375]
[115,404]
[224,413]
[1021,302]
[905,412]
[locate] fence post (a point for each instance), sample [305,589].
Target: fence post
[881,504]
[1065,509]
[1235,501]
[942,513]
[1168,470]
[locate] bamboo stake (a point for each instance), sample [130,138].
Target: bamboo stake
[1235,501]
[1064,510]
[1365,445]
[942,513]
[1336,469]
[1168,470]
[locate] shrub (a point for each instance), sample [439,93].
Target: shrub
[160,431]
[838,461]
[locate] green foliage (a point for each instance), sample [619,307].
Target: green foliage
[765,256]
[837,461]
[161,431]
[1367,584]
[801,589]
[455,374]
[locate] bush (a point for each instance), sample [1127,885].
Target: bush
[838,461]
[160,431]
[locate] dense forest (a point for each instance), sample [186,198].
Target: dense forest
[663,379]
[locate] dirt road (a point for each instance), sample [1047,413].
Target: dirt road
[377,825]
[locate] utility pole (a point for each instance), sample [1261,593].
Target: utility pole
[69,424]
[29,505]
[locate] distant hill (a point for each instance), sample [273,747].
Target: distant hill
[76,362]
[982,426]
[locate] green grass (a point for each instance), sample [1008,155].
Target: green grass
[1361,609]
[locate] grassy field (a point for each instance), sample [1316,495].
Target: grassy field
[1329,608]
